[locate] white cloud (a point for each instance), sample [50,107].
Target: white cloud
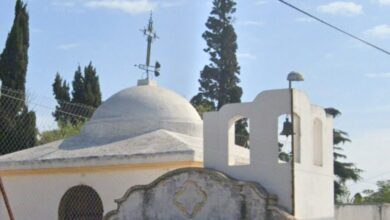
[377,75]
[64,3]
[261,2]
[171,3]
[69,46]
[380,31]
[304,19]
[341,8]
[384,2]
[247,56]
[128,6]
[251,23]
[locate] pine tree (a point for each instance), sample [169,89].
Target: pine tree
[61,94]
[219,79]
[343,171]
[17,128]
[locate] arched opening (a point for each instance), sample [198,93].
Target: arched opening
[317,142]
[80,203]
[239,141]
[285,131]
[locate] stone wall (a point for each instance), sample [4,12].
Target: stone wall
[363,212]
[197,193]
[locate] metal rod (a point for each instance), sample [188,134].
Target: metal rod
[292,151]
[6,201]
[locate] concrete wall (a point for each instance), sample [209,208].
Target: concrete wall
[37,197]
[363,212]
[313,170]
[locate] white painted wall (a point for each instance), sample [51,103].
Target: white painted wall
[313,188]
[363,212]
[37,197]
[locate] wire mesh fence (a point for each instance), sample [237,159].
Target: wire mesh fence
[27,120]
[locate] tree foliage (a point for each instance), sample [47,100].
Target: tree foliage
[343,171]
[65,131]
[218,80]
[382,195]
[17,129]
[85,94]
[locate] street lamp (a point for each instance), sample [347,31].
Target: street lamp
[293,77]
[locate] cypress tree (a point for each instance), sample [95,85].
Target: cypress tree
[93,96]
[219,79]
[78,87]
[17,129]
[61,94]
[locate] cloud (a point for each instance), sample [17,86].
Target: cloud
[304,19]
[128,6]
[246,56]
[379,109]
[64,3]
[377,75]
[250,23]
[69,46]
[261,2]
[384,2]
[171,3]
[380,31]
[341,8]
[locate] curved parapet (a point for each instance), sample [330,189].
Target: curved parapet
[196,193]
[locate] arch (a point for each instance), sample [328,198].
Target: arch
[80,203]
[238,141]
[317,142]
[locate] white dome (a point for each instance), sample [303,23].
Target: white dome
[143,109]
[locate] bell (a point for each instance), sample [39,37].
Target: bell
[287,128]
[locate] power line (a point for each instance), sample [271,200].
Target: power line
[336,28]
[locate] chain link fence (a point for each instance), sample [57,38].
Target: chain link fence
[27,120]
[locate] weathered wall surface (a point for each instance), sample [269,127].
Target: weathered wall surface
[196,193]
[363,212]
[37,197]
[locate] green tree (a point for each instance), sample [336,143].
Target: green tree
[343,171]
[17,129]
[86,96]
[219,79]
[61,94]
[92,95]
[382,195]
[78,87]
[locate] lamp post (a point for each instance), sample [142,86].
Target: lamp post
[293,77]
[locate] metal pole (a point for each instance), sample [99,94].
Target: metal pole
[292,150]
[6,201]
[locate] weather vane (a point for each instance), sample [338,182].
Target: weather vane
[151,36]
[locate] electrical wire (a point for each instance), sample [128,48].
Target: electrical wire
[335,28]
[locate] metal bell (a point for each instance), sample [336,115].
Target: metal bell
[287,128]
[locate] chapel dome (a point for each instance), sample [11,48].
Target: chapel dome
[142,109]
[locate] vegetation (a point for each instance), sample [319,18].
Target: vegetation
[15,117]
[382,195]
[86,95]
[65,131]
[219,79]
[343,171]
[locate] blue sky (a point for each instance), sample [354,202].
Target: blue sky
[272,38]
